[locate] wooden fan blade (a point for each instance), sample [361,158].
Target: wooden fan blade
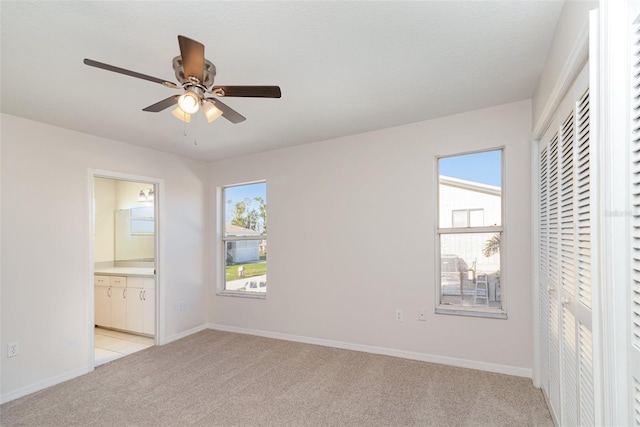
[108,67]
[248,91]
[227,112]
[162,105]
[192,53]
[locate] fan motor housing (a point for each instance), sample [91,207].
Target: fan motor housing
[209,72]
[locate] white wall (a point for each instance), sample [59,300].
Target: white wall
[351,239]
[573,22]
[46,242]
[105,205]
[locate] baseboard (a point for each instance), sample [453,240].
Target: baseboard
[186,333]
[443,360]
[41,385]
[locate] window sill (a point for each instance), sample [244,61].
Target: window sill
[458,310]
[251,295]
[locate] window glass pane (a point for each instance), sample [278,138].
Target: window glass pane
[144,212]
[246,209]
[142,226]
[476,218]
[142,220]
[472,183]
[470,269]
[246,265]
[245,215]
[459,218]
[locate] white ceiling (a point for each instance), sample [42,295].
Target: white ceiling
[343,67]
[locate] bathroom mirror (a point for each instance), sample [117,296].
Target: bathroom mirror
[134,234]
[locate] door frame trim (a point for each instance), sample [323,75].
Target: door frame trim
[158,183]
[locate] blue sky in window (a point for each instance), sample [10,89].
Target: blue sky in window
[239,193]
[477,167]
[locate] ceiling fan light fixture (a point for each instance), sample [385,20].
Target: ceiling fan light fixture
[196,76]
[210,110]
[179,113]
[189,102]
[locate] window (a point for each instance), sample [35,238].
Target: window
[244,239]
[468,218]
[142,220]
[470,234]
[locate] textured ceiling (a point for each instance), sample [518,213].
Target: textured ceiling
[343,67]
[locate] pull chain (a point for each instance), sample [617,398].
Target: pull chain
[184,125]
[195,133]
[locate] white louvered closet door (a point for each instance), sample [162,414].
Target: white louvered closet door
[565,260]
[549,268]
[634,296]
[543,254]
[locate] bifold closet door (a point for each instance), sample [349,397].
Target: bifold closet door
[548,270]
[634,291]
[565,259]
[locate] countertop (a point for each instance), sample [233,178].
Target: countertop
[125,271]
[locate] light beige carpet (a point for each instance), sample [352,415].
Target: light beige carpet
[217,378]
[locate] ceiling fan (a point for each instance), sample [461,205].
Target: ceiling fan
[196,75]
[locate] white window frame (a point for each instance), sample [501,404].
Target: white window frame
[468,216]
[461,310]
[223,239]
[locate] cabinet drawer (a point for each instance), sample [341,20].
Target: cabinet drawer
[101,280]
[118,281]
[140,282]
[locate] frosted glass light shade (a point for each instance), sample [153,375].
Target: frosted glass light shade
[189,102]
[210,110]
[185,117]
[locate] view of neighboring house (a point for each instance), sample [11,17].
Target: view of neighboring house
[465,204]
[242,250]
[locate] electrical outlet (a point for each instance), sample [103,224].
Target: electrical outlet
[398,315]
[422,314]
[13,349]
[180,306]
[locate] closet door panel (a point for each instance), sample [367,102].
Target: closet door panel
[554,271]
[566,282]
[584,280]
[568,273]
[543,255]
[634,289]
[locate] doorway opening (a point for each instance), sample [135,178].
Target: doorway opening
[124,244]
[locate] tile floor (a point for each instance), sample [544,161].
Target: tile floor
[110,345]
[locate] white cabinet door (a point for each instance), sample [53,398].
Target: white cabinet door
[149,320]
[135,307]
[118,301]
[102,304]
[139,319]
